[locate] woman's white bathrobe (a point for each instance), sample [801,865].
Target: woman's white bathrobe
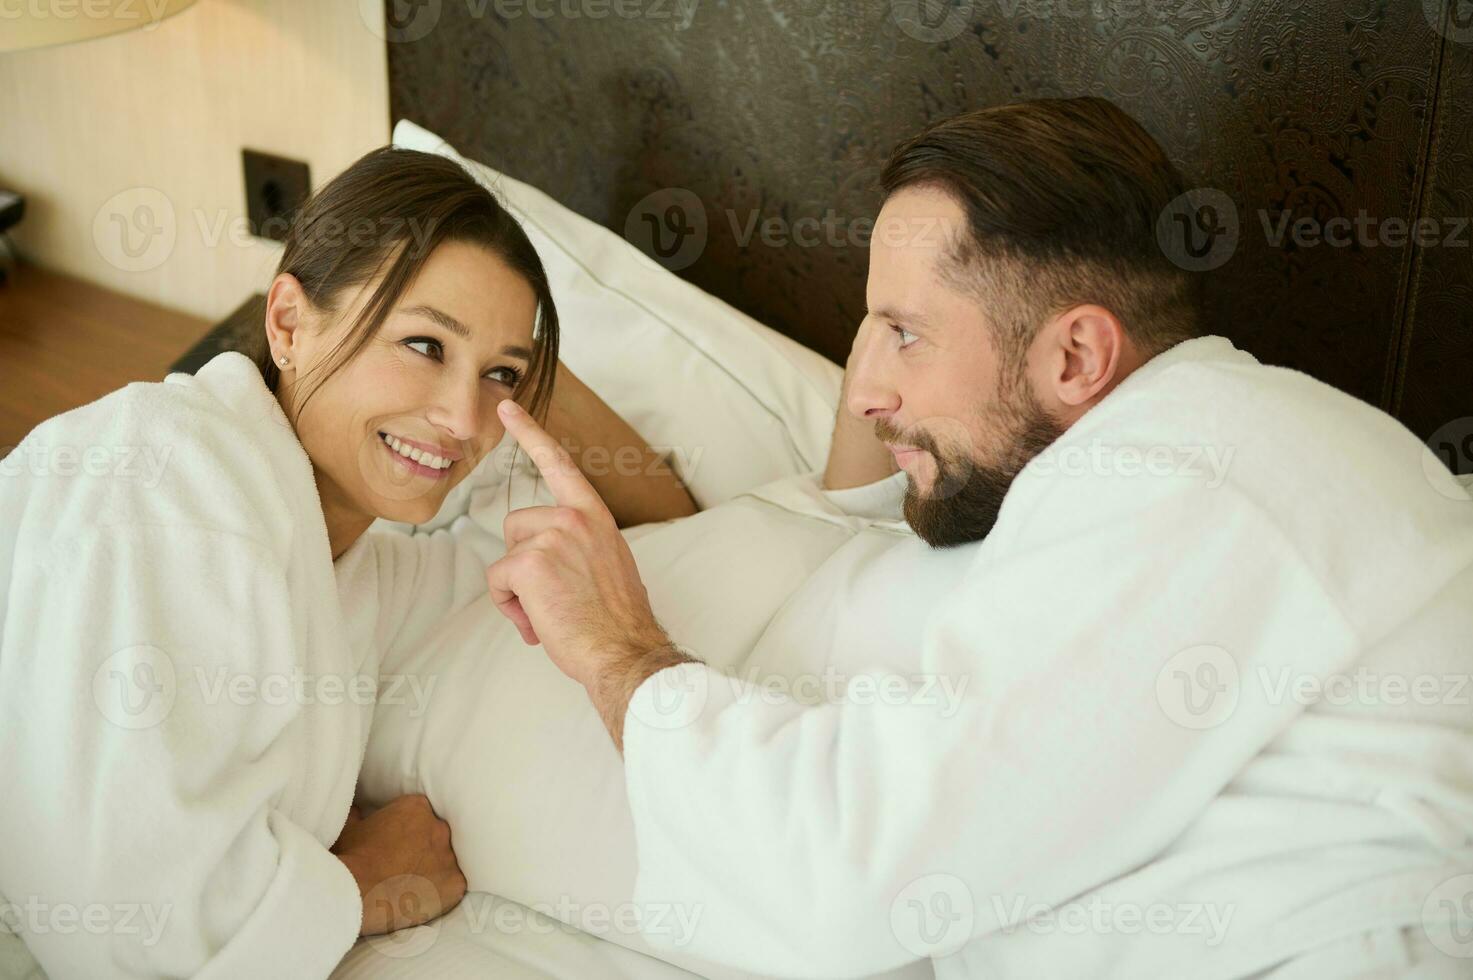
[185,692]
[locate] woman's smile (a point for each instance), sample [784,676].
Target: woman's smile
[422,460]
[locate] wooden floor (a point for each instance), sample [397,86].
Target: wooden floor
[64,343]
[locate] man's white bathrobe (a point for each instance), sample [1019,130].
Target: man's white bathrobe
[1214,711]
[184,703]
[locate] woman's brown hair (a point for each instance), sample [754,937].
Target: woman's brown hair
[388,212]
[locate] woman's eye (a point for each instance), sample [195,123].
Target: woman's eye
[433,349]
[508,376]
[906,337]
[439,351]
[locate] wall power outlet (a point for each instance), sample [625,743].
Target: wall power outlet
[275,188]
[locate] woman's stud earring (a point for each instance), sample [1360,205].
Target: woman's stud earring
[283,362]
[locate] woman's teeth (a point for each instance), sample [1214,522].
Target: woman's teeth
[419,456]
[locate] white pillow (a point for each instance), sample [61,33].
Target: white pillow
[740,404]
[513,756]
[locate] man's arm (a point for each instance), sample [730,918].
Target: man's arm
[622,674]
[897,821]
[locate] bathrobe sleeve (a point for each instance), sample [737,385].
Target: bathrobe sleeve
[145,784]
[1040,748]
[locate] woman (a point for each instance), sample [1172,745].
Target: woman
[188,658]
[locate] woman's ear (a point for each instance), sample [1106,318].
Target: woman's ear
[287,307]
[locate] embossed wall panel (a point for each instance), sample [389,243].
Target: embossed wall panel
[777,115]
[1432,392]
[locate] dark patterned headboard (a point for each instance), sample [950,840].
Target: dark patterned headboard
[741,139]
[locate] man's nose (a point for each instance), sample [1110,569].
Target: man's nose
[872,392]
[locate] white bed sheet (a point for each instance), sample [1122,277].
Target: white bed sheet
[487,936]
[483,936]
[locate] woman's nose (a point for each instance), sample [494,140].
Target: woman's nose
[458,411]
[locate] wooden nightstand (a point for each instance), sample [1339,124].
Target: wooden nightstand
[65,342]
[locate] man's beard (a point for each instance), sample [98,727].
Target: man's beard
[966,494]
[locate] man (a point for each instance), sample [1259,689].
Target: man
[1214,624]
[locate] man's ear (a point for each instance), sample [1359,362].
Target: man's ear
[1082,353]
[287,308]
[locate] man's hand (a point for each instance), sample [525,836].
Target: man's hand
[569,582]
[400,856]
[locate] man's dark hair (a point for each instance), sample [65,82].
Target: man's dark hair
[1062,198]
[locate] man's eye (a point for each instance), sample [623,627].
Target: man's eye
[906,337]
[439,351]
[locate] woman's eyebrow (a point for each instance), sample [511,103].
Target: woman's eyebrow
[461,330]
[440,317]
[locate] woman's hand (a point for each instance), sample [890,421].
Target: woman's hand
[355,817]
[400,855]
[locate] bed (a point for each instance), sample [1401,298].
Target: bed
[509,753]
[598,129]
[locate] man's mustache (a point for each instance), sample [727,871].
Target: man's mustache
[916,438]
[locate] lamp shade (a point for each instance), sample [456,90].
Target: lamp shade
[39,23]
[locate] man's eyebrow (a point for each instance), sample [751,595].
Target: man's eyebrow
[899,316]
[461,330]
